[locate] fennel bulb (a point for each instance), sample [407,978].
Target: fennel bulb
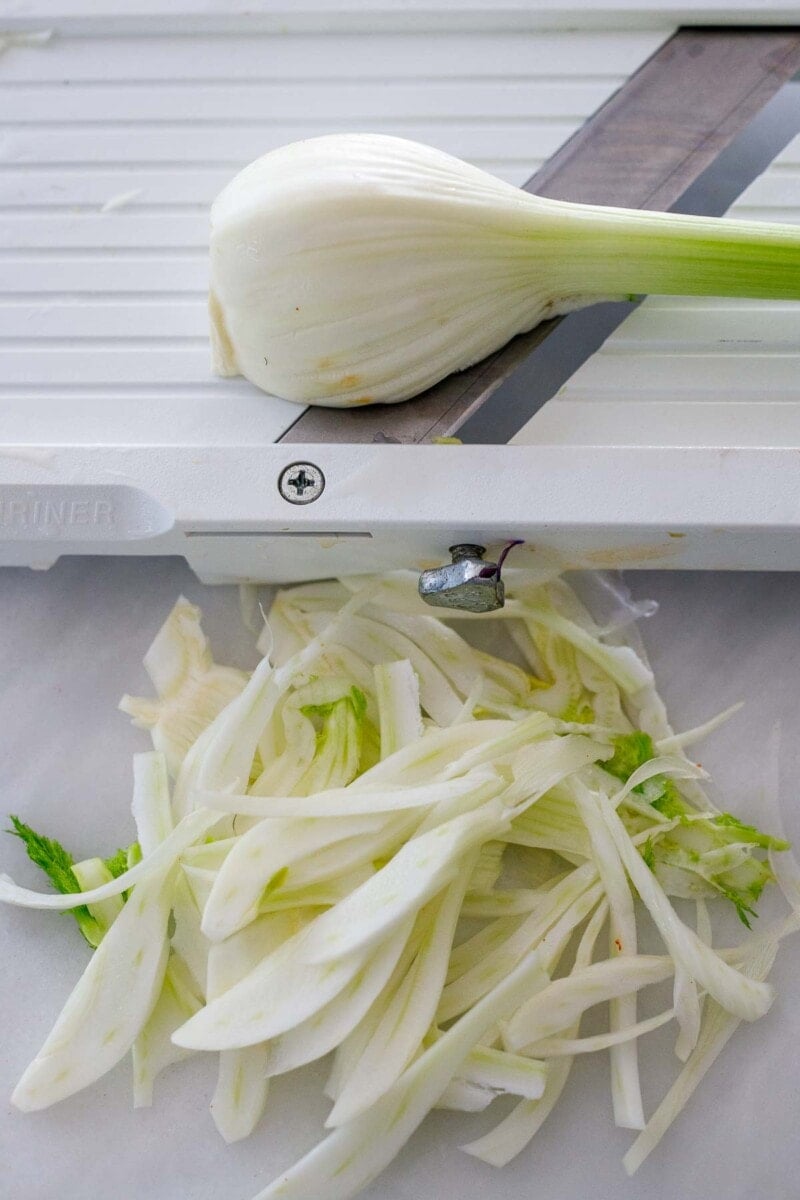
[357,268]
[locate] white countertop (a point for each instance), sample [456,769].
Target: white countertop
[71,642]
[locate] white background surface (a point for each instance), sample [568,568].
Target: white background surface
[71,642]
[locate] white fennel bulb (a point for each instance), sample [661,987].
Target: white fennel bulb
[358,268]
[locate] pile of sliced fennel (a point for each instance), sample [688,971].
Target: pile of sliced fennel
[387,846]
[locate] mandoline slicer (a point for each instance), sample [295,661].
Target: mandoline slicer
[675,445]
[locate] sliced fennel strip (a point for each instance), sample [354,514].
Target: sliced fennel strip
[400,1028]
[625,1088]
[185,833]
[355,1153]
[110,1003]
[512,1135]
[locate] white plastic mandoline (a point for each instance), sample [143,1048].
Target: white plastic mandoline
[677,445]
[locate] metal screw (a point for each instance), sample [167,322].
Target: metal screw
[301,482]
